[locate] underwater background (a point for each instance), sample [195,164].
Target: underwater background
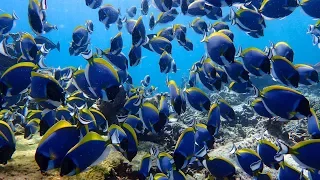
[69,14]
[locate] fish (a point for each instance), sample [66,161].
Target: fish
[244,87]
[308,75]
[31,128]
[152,22]
[132,104]
[47,120]
[309,7]
[255,61]
[167,17]
[199,8]
[267,151]
[94,4]
[204,138]
[248,20]
[101,121]
[80,82]
[120,23]
[130,23]
[47,27]
[188,45]
[228,33]
[167,63]
[135,55]
[276,9]
[164,112]
[302,152]
[119,62]
[36,15]
[283,71]
[108,15]
[226,110]
[215,13]
[220,48]
[132,150]
[53,146]
[314,30]
[284,102]
[80,36]
[132,11]
[249,161]
[135,122]
[184,149]
[116,44]
[17,78]
[75,50]
[109,87]
[214,121]
[287,171]
[73,101]
[219,25]
[90,26]
[160,45]
[162,5]
[184,6]
[149,115]
[7,22]
[29,49]
[63,113]
[164,162]
[237,72]
[260,109]
[220,3]
[83,155]
[144,7]
[46,89]
[198,99]
[281,49]
[313,125]
[146,81]
[199,26]
[49,45]
[145,166]
[8,142]
[139,33]
[219,167]
[119,138]
[176,99]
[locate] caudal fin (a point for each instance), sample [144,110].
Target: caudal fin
[14,16]
[87,54]
[239,52]
[58,46]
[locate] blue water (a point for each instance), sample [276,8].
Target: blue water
[67,14]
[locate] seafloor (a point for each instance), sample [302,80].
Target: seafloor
[244,132]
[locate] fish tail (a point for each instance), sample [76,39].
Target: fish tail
[257,92]
[87,55]
[58,46]
[14,16]
[315,40]
[55,27]
[204,39]
[239,52]
[310,29]
[232,16]
[284,148]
